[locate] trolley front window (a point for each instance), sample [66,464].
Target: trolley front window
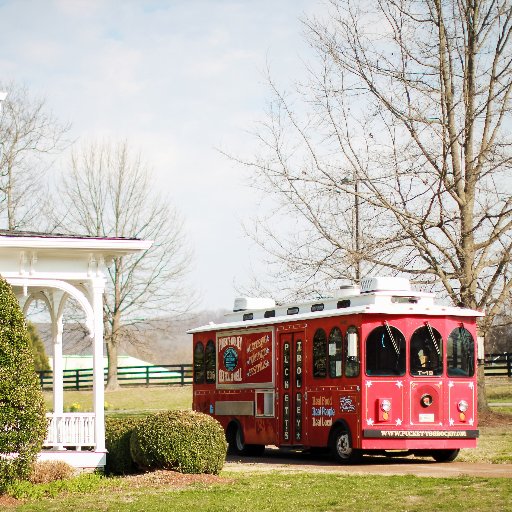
[461,353]
[426,352]
[385,352]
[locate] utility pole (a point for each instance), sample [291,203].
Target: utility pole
[356,229]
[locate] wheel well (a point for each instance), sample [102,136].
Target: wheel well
[231,429]
[339,424]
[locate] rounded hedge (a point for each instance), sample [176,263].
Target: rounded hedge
[118,432]
[185,441]
[22,409]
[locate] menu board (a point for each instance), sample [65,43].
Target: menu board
[245,358]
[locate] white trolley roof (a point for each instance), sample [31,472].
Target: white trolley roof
[384,295]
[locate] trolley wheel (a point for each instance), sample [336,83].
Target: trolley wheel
[237,445]
[445,455]
[341,447]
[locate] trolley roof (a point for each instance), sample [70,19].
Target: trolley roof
[383,295]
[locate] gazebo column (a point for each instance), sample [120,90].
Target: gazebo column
[58,374]
[98,287]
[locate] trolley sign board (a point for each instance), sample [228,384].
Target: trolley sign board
[245,358]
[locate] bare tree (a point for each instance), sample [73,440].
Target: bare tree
[110,192]
[29,137]
[407,110]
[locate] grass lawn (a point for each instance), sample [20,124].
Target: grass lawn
[499,389]
[278,492]
[135,400]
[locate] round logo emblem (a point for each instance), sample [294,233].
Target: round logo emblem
[230,359]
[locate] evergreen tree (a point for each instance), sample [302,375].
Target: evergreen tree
[22,408]
[39,352]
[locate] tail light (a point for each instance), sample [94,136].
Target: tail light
[384,409]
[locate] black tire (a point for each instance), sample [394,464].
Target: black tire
[237,446]
[445,455]
[341,447]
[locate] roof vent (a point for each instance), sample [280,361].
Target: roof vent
[385,284]
[244,303]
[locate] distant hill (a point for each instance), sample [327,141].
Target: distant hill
[161,341]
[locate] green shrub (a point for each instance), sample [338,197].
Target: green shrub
[185,441]
[117,440]
[37,346]
[22,409]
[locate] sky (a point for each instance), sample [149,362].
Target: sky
[179,79]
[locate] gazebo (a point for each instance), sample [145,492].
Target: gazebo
[54,268]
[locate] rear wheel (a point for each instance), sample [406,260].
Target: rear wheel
[341,447]
[445,455]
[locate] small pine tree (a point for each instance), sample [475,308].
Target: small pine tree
[22,408]
[37,346]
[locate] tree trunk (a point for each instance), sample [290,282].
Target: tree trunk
[112,382]
[483,405]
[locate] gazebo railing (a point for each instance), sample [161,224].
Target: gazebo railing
[70,429]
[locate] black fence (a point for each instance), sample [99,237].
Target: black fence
[174,374]
[498,364]
[495,365]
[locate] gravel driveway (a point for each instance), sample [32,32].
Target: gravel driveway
[275,460]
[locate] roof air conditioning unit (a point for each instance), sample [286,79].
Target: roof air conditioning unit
[244,303]
[385,284]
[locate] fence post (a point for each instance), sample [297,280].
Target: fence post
[509,365]
[147,375]
[77,380]
[182,367]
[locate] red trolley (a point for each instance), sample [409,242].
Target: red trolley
[376,368]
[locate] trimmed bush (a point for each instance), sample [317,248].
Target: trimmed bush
[118,432]
[22,409]
[48,471]
[185,441]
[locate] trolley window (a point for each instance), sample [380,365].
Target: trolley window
[426,352]
[335,352]
[210,365]
[352,361]
[461,353]
[385,351]
[199,363]
[320,354]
